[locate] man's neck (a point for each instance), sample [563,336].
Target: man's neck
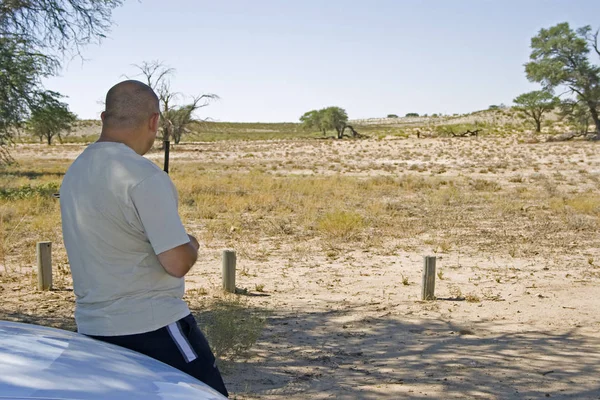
[108,137]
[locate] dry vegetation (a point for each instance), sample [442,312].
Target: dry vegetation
[330,235]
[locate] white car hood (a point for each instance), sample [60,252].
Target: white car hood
[45,363]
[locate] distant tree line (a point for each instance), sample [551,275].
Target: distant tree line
[406,116]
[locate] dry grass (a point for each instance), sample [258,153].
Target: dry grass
[313,200]
[242,201]
[230,324]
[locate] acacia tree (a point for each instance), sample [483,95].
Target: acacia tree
[20,89]
[312,120]
[577,114]
[50,118]
[535,104]
[34,36]
[336,118]
[560,58]
[325,119]
[175,118]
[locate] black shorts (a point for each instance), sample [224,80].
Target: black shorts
[180,345]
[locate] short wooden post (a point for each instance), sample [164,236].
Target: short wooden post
[428,290]
[167,146]
[229,260]
[44,264]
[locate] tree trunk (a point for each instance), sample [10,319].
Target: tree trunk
[537,117]
[594,114]
[49,137]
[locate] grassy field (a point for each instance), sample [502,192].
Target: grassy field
[327,233]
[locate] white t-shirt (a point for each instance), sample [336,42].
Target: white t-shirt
[119,210]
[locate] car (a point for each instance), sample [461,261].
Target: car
[39,362]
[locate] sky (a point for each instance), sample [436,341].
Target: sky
[273,60]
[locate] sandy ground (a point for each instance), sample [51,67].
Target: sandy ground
[349,328]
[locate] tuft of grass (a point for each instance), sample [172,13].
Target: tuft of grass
[587,203]
[341,225]
[405,281]
[472,298]
[444,246]
[485,185]
[231,326]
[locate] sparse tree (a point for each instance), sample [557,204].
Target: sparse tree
[326,119]
[535,104]
[51,118]
[560,58]
[175,118]
[34,35]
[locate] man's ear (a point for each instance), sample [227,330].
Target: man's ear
[102,116]
[154,120]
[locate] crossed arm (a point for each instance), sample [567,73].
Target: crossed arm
[179,260]
[155,200]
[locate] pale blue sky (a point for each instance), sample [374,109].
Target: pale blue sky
[272,60]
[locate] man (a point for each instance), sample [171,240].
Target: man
[127,247]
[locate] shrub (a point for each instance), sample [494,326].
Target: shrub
[342,225]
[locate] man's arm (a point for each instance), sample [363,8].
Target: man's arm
[179,260]
[155,201]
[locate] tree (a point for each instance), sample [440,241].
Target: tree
[175,119]
[335,118]
[412,114]
[326,119]
[392,116]
[20,89]
[34,36]
[560,58]
[50,118]
[535,104]
[180,117]
[577,114]
[312,120]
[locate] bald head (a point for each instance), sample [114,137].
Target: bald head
[129,104]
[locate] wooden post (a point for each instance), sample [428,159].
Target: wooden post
[428,290]
[229,260]
[167,145]
[44,264]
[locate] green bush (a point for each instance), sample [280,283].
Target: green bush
[28,191]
